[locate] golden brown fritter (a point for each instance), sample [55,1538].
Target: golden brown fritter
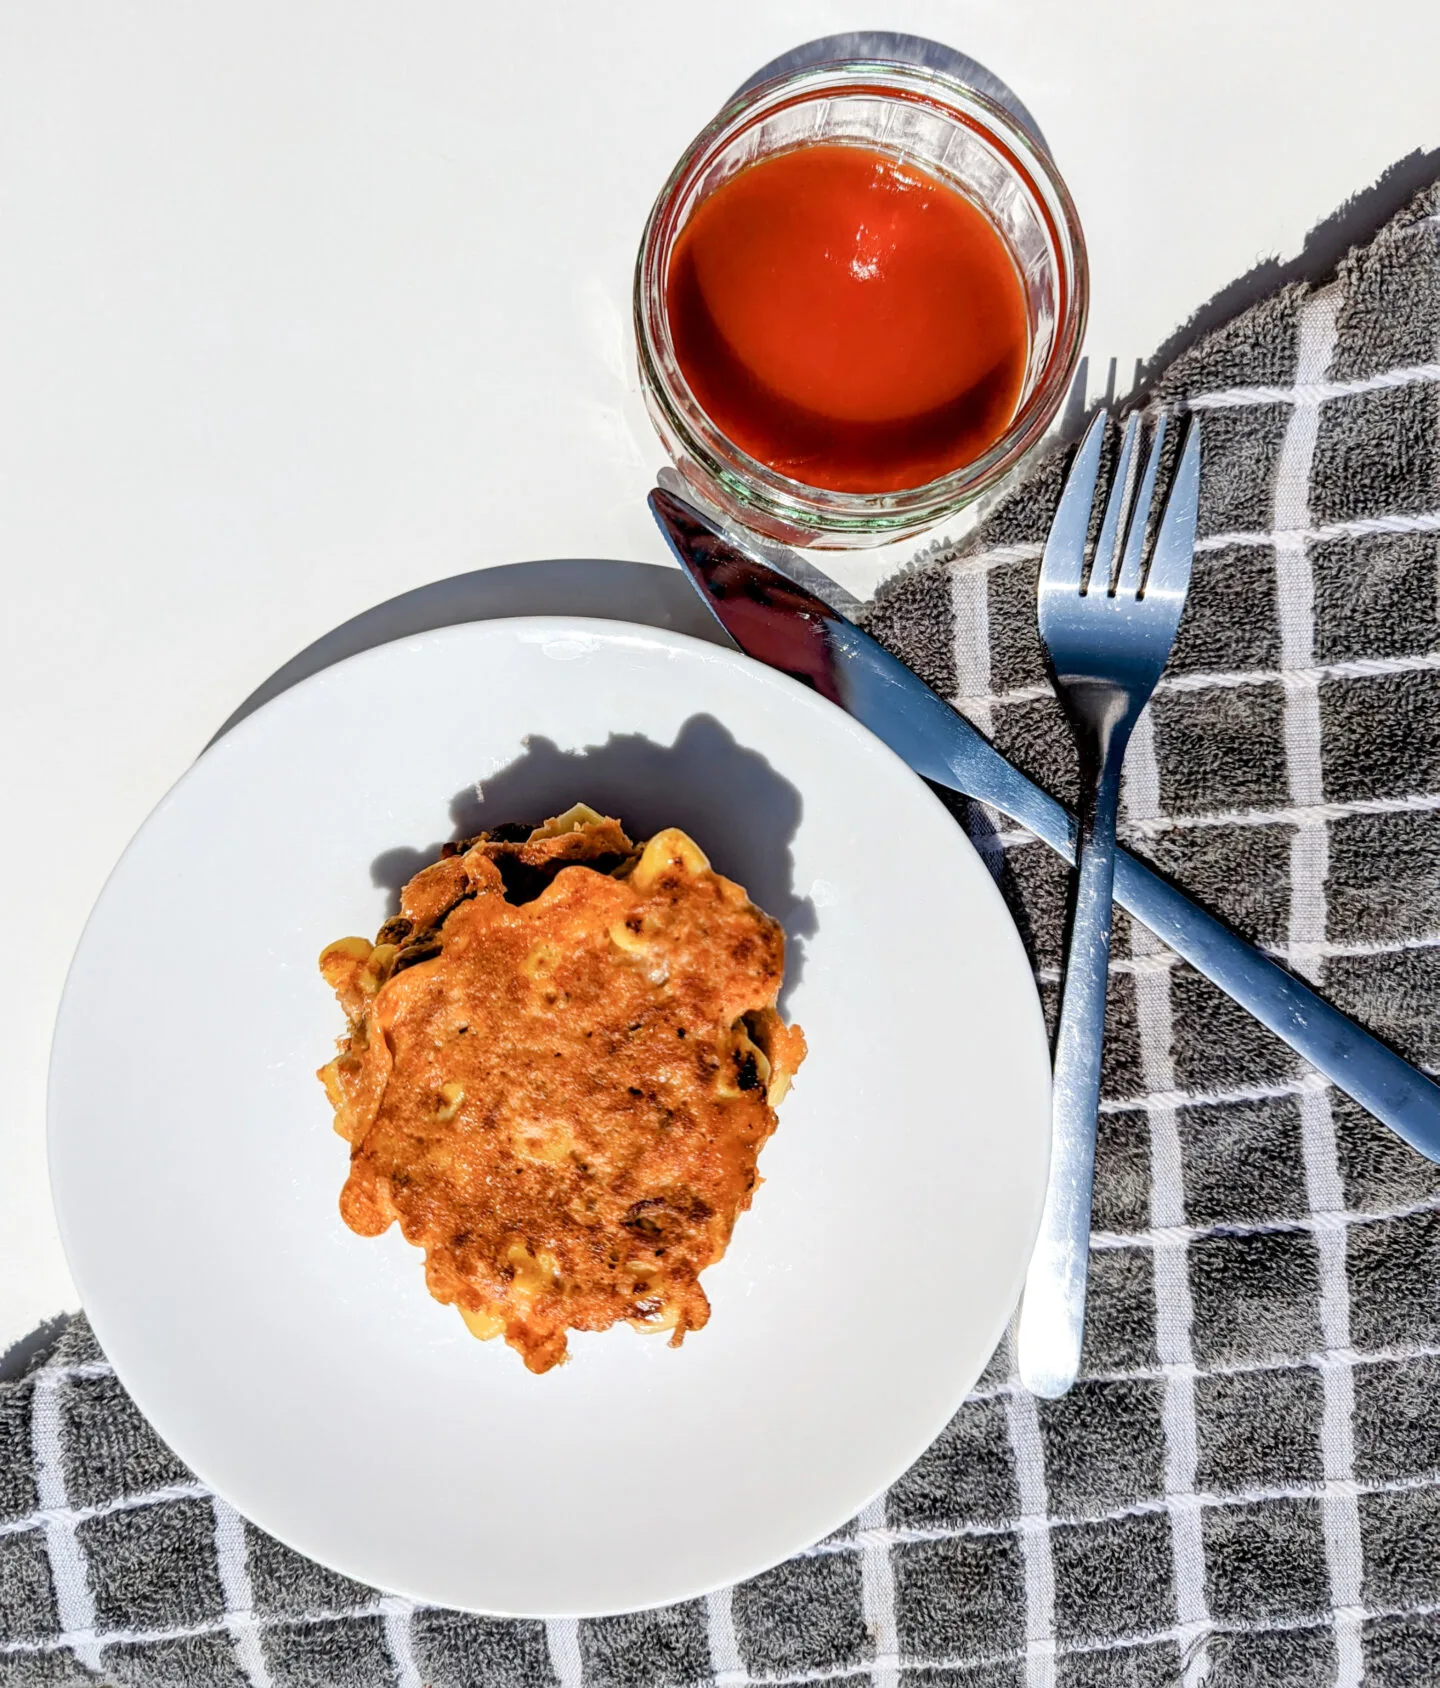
[563,1061]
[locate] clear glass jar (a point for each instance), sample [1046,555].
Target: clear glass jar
[952,132]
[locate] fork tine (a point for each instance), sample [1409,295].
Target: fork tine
[1175,543]
[1103,568]
[1064,558]
[1134,554]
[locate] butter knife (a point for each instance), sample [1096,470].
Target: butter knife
[780,623]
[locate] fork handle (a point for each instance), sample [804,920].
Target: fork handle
[1052,1314]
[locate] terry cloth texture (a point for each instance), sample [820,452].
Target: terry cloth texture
[1244,1487]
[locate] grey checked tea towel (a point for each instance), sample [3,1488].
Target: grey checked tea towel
[1244,1489]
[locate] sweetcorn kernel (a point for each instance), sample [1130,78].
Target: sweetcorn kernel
[668,851]
[534,1273]
[484,1324]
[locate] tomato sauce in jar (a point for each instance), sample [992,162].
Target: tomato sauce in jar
[848,320]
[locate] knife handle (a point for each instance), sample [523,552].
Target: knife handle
[1397,1093]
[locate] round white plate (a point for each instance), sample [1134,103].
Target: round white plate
[304,1372]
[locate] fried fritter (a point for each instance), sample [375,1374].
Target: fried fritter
[563,1060]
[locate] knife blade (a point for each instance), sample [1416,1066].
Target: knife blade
[782,624]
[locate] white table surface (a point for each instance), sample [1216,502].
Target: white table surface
[305,303]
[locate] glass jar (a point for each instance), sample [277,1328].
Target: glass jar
[946,129]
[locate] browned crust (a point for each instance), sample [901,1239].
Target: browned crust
[562,1065]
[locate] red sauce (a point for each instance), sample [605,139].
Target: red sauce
[848,320]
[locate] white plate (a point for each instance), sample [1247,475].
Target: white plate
[304,1372]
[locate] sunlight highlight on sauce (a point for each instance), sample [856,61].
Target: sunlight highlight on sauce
[848,320]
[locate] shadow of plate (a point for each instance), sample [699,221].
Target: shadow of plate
[647,593]
[727,795]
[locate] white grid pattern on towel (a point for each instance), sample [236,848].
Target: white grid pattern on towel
[1303,956]
[399,1638]
[1415,803]
[74,1603]
[1307,1361]
[877,1597]
[1358,527]
[970,607]
[726,1665]
[1319,1221]
[1312,394]
[1216,1098]
[231,1560]
[562,1639]
[563,1634]
[121,1503]
[1309,867]
[1173,1310]
[1177,1634]
[980,708]
[871,1538]
[1022,1419]
[902,1535]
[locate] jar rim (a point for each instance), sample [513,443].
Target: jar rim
[764,492]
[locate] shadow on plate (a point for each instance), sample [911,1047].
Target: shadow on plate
[741,812]
[643,592]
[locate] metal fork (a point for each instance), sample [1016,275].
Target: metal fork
[1107,633]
